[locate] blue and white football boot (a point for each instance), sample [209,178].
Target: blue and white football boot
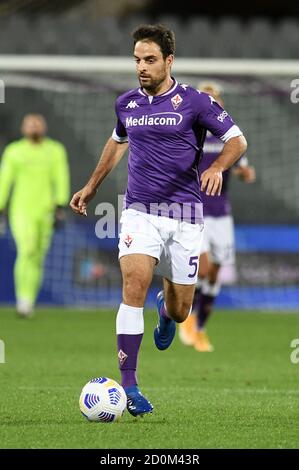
[137,404]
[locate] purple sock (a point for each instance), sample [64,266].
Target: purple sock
[196,300]
[128,348]
[205,308]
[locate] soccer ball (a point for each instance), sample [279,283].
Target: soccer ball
[103,400]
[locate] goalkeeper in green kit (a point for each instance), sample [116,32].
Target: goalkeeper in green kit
[34,170]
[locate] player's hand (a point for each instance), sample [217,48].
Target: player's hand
[247,174]
[3,223]
[81,199]
[59,217]
[211,181]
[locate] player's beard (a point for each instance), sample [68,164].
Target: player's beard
[36,137]
[153,85]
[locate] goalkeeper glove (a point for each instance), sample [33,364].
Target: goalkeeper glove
[3,223]
[59,217]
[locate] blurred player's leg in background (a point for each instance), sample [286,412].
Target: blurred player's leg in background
[207,292]
[217,250]
[192,332]
[32,237]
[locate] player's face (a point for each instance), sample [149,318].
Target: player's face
[152,69]
[34,127]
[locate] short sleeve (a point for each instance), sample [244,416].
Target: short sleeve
[213,117]
[119,133]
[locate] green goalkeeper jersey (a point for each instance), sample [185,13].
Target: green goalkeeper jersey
[36,174]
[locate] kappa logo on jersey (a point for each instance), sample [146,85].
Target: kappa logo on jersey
[132,105]
[122,356]
[128,240]
[222,116]
[176,101]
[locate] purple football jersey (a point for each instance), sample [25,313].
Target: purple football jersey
[166,135]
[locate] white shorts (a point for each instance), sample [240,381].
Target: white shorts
[175,244]
[218,239]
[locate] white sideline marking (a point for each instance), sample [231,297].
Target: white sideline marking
[2,352]
[248,389]
[185,389]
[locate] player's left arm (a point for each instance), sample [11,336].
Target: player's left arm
[8,171]
[213,117]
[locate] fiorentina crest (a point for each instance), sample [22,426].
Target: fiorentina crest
[176,101]
[128,240]
[122,356]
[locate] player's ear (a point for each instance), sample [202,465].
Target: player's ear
[169,60]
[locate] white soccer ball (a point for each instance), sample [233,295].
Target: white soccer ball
[103,400]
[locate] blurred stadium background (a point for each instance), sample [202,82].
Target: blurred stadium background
[77,99]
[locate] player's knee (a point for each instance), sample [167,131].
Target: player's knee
[134,291]
[27,254]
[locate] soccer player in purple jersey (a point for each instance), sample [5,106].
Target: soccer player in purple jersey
[217,248]
[164,125]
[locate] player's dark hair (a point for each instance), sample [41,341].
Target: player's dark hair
[157,33]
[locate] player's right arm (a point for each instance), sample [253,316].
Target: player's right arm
[111,156]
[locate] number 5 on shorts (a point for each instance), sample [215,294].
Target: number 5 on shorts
[193,261]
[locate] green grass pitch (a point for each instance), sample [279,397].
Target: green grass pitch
[243,395]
